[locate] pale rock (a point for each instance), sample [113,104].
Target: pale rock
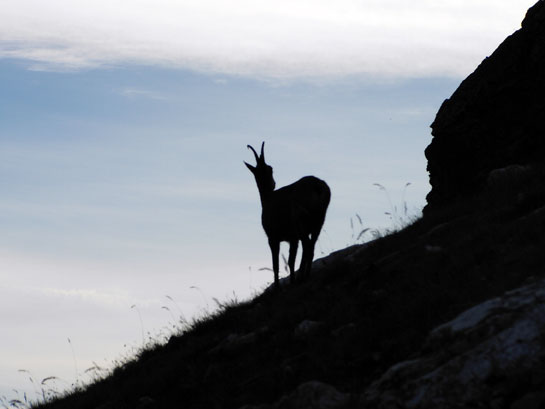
[499,338]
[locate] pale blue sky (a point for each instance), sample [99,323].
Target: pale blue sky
[121,151]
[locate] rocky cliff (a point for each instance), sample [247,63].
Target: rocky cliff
[495,119]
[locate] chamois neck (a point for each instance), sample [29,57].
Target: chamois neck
[265,194]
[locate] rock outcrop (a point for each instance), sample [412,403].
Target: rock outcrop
[493,352]
[495,117]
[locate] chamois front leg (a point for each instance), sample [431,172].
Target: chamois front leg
[275,250]
[291,260]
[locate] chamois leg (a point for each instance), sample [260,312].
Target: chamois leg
[291,260]
[308,255]
[304,258]
[311,245]
[275,250]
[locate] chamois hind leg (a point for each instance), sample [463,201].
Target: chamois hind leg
[275,250]
[308,255]
[305,260]
[311,245]
[291,260]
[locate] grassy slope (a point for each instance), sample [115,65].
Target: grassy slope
[376,305]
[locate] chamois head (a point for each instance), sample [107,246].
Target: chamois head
[263,173]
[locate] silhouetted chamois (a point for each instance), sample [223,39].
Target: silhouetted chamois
[293,213]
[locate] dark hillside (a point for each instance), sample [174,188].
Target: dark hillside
[447,313]
[365,309]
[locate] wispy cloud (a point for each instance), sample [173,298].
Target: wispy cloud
[280,39]
[143,93]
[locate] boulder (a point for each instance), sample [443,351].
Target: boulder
[308,329]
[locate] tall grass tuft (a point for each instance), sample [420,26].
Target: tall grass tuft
[399,215]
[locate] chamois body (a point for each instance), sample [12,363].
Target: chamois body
[292,213]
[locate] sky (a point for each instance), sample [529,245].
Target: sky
[123,130]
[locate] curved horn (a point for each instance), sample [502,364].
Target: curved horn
[262,152]
[255,153]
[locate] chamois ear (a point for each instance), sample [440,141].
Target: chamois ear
[252,168]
